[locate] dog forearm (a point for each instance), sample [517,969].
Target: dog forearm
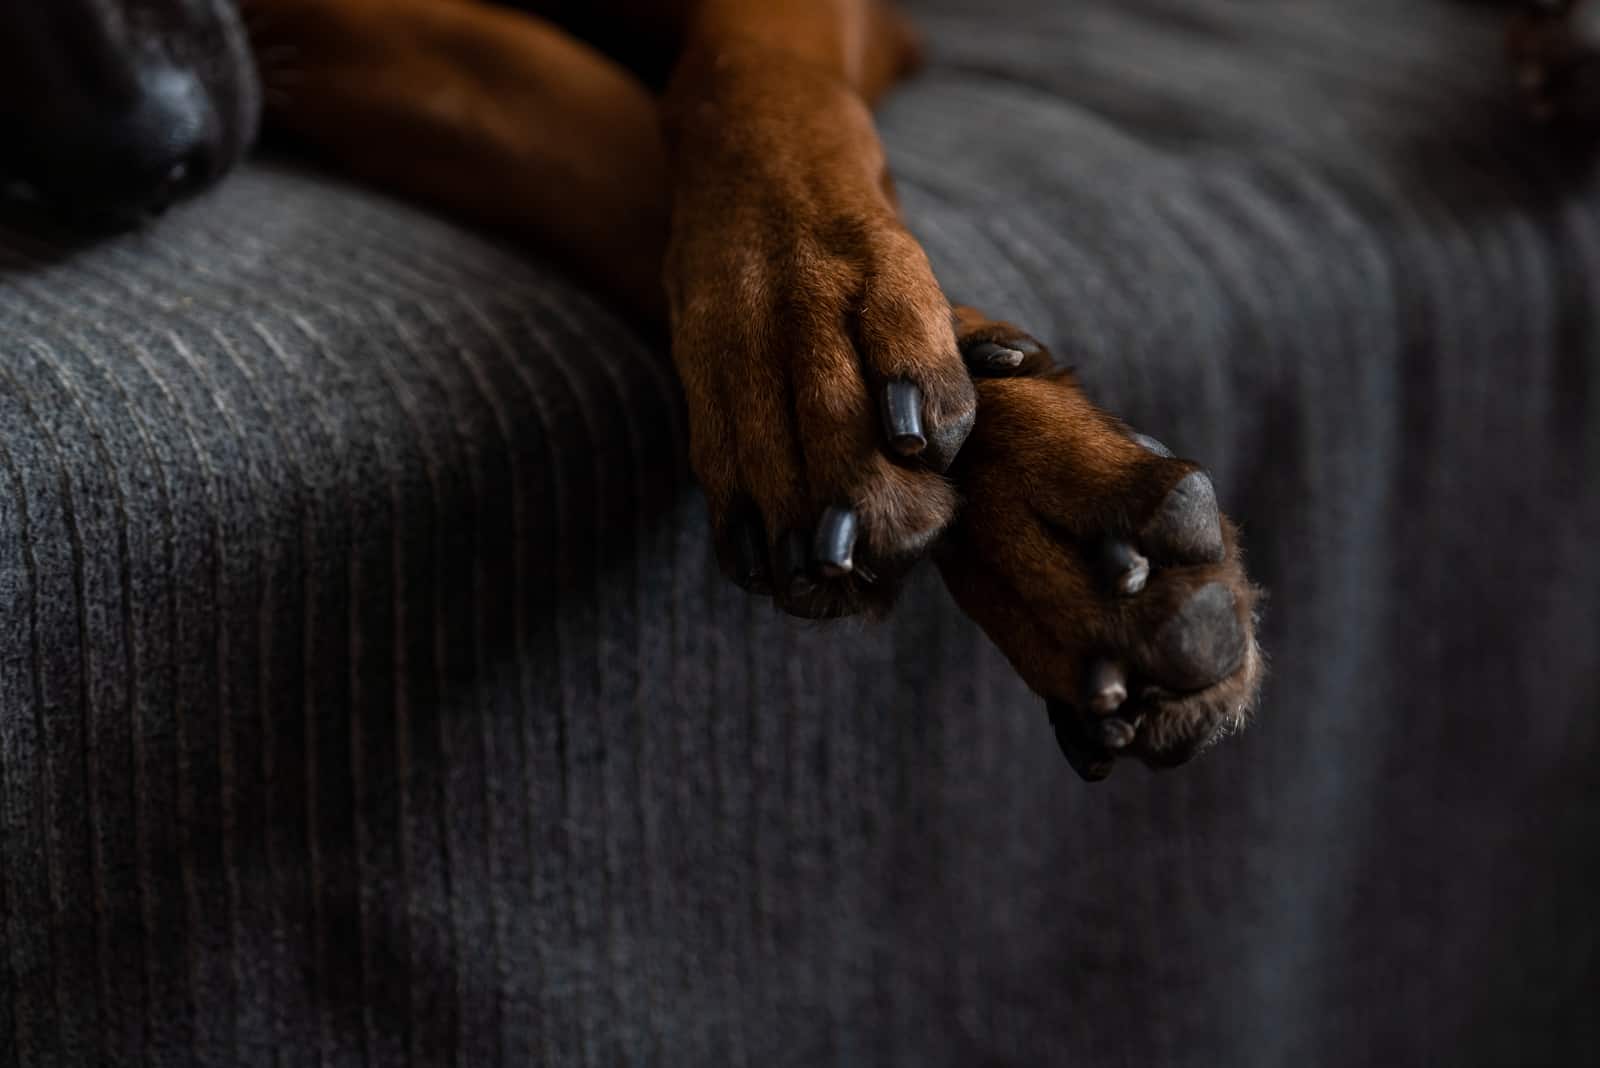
[867,45]
[829,34]
[763,114]
[493,115]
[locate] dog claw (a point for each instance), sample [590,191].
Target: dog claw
[1203,642]
[1188,525]
[902,418]
[1117,733]
[749,546]
[1004,356]
[793,565]
[990,356]
[1129,570]
[1107,687]
[835,542]
[1150,444]
[746,552]
[1090,765]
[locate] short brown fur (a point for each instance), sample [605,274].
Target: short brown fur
[746,212]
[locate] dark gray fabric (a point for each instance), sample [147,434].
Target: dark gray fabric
[369,695]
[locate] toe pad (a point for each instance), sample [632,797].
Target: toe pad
[1203,642]
[1187,526]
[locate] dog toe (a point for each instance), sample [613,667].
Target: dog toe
[1117,733]
[792,570]
[752,574]
[947,437]
[995,349]
[1203,642]
[1187,526]
[991,357]
[1106,687]
[1084,754]
[1126,568]
[1184,749]
[742,550]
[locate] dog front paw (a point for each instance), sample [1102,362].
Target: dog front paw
[825,389]
[826,399]
[1100,565]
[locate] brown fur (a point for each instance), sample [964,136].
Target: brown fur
[747,212]
[1048,479]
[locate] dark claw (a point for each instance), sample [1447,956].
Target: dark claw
[1105,687]
[835,543]
[793,565]
[1188,525]
[1012,356]
[1082,756]
[1204,642]
[989,356]
[1117,733]
[1129,571]
[946,441]
[749,548]
[1150,444]
[902,418]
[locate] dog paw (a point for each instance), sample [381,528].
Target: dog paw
[826,393]
[1100,564]
[1554,48]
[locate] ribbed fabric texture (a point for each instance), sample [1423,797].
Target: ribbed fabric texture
[368,695]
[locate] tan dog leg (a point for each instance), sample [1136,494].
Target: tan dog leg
[497,117]
[826,391]
[1099,565]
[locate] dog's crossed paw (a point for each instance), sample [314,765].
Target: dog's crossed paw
[1099,564]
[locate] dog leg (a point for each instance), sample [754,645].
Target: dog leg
[803,304]
[1099,565]
[492,115]
[826,391]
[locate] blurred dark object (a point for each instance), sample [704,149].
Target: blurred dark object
[1554,47]
[112,110]
[370,693]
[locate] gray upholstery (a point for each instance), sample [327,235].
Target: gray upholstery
[368,696]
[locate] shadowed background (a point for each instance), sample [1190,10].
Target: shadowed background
[368,693]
